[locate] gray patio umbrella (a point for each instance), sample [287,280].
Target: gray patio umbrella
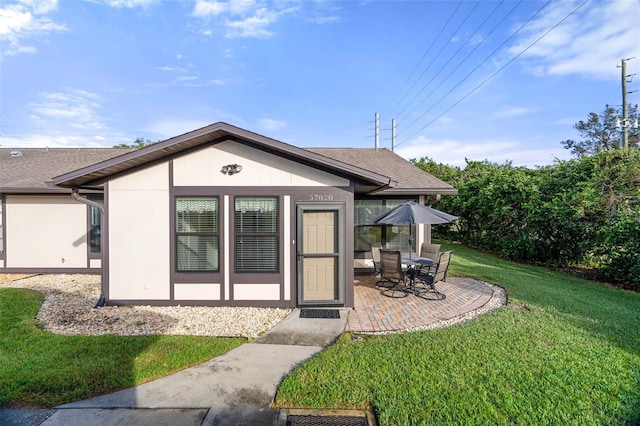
[411,213]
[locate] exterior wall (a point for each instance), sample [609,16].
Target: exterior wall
[138,229]
[202,168]
[45,233]
[141,232]
[197,291]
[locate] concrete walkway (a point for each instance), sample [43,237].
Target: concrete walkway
[236,388]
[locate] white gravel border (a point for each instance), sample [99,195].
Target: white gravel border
[68,309]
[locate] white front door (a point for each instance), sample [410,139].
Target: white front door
[320,255]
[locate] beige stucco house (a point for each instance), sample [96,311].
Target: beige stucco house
[218,216]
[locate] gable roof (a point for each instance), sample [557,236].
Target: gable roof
[29,169]
[411,179]
[219,132]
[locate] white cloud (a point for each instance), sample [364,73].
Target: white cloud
[591,42]
[253,26]
[321,20]
[130,3]
[41,7]
[514,111]
[69,118]
[455,153]
[271,125]
[240,18]
[195,82]
[74,108]
[38,140]
[206,9]
[24,20]
[476,39]
[189,76]
[445,120]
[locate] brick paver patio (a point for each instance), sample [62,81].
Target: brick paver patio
[376,313]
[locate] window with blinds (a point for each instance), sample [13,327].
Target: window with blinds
[197,234]
[256,234]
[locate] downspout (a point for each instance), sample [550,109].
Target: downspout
[75,194]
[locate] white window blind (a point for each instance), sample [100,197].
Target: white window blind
[256,234]
[197,234]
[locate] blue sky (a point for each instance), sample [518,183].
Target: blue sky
[478,80]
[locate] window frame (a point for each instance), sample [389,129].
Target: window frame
[274,234]
[215,234]
[91,211]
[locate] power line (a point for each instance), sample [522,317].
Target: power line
[439,52]
[500,69]
[465,58]
[420,62]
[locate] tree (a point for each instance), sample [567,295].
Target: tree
[600,132]
[137,144]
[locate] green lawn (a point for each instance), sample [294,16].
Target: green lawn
[40,369]
[564,351]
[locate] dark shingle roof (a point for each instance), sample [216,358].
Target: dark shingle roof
[411,179]
[32,168]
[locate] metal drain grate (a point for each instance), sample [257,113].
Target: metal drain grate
[326,421]
[319,313]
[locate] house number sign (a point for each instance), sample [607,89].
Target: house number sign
[320,197]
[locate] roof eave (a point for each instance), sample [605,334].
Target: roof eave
[43,190]
[419,191]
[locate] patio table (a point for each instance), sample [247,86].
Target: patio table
[414,264]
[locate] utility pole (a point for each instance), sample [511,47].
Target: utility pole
[377,130]
[624,142]
[393,134]
[625,113]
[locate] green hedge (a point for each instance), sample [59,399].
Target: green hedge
[580,212]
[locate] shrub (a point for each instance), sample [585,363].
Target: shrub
[583,211]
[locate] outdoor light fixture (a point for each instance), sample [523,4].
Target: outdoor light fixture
[231,169]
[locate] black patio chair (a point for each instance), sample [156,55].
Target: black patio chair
[391,271]
[430,251]
[426,281]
